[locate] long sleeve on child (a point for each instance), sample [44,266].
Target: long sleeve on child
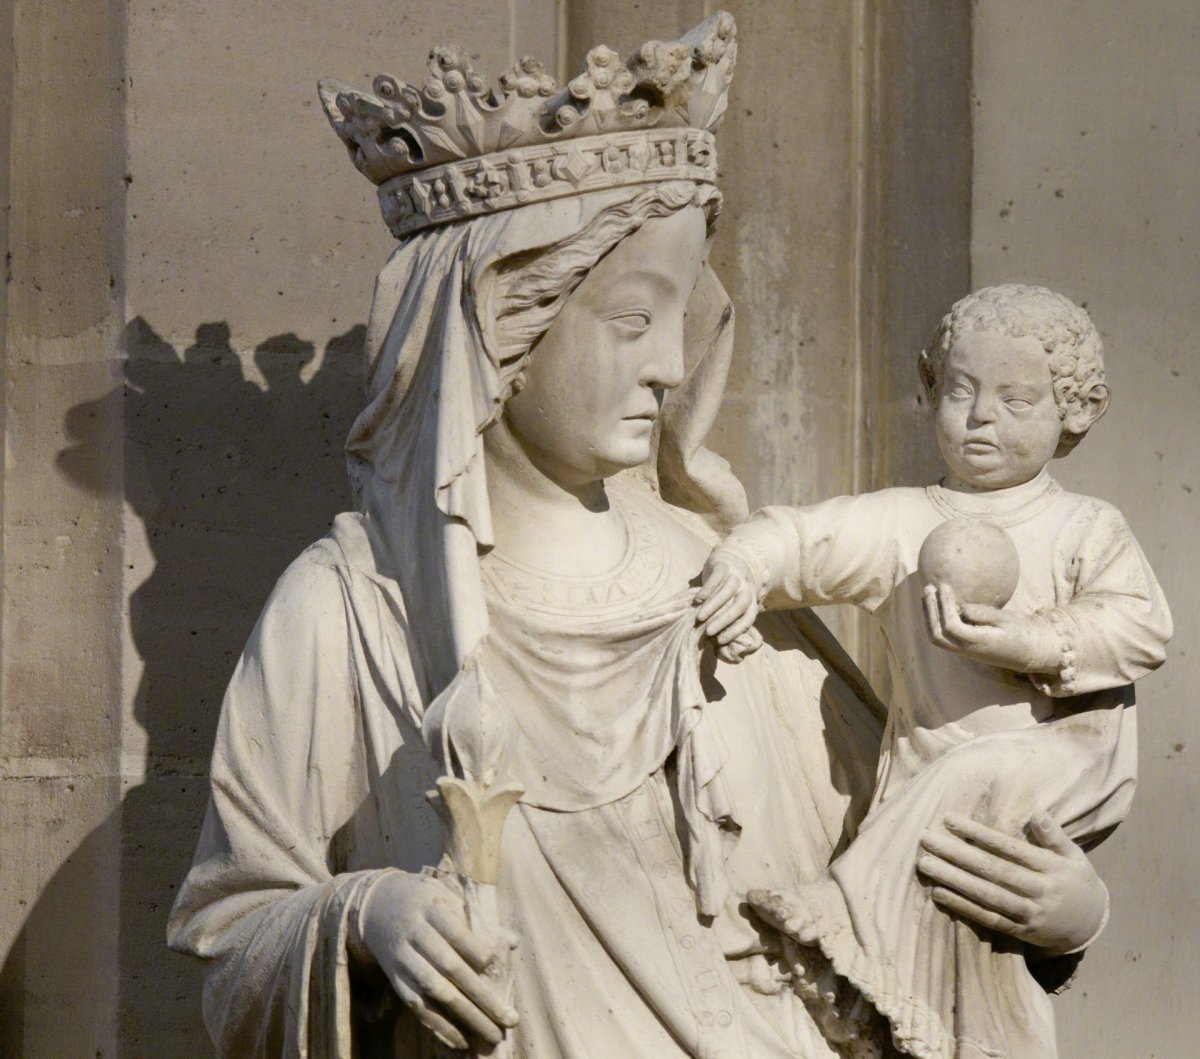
[1113,618]
[844,550]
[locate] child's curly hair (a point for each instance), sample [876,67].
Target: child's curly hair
[1065,331]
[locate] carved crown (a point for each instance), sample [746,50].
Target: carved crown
[455,148]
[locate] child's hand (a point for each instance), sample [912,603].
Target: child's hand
[1025,643]
[740,646]
[728,602]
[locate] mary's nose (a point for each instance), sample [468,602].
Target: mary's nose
[664,368]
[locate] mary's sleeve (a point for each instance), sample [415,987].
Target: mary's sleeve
[263,903]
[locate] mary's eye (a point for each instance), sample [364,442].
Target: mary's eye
[630,322]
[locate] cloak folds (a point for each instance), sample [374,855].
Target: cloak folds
[319,772]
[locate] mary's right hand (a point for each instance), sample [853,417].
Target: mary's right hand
[414,928]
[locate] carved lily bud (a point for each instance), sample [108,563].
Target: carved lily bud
[470,735]
[474,814]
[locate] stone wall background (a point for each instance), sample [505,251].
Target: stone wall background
[189,260]
[1087,146]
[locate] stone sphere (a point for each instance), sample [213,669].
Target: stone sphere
[977,561]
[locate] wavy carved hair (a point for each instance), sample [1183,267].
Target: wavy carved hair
[532,288]
[1064,330]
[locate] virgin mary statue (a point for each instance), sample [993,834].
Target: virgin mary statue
[546,351]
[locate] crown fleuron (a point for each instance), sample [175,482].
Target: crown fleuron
[455,148]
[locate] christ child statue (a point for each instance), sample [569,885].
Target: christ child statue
[1016,711]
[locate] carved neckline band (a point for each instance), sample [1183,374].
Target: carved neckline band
[637,577]
[1000,507]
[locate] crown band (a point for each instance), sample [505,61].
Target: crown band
[451,148]
[415,201]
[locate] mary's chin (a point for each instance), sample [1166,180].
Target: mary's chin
[627,452]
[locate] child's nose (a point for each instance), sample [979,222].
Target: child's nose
[983,409]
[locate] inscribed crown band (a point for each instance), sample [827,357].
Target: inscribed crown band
[454,148]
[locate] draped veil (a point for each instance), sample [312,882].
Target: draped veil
[319,768]
[436,380]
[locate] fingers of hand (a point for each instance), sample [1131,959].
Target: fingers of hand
[437,1023]
[730,612]
[957,631]
[739,647]
[771,906]
[975,913]
[1017,850]
[946,628]
[743,622]
[749,641]
[710,579]
[779,911]
[986,894]
[981,614]
[1047,834]
[983,864]
[443,958]
[435,987]
[450,923]
[721,594]
[933,618]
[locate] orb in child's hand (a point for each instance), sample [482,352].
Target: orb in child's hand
[977,561]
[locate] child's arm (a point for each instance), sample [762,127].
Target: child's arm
[736,578]
[1116,626]
[844,550]
[1112,630]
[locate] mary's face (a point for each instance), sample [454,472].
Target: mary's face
[596,379]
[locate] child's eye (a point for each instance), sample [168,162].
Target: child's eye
[1019,404]
[959,391]
[631,323]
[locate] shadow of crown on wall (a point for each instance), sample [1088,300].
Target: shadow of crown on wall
[455,148]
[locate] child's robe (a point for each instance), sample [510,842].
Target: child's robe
[965,737]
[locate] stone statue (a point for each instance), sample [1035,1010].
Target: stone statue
[1007,714]
[510,613]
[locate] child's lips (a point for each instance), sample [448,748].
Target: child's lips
[980,447]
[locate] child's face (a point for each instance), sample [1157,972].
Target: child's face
[997,422]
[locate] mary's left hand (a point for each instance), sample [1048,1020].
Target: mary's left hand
[1042,891]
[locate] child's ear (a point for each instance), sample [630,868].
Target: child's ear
[1081,415]
[1084,412]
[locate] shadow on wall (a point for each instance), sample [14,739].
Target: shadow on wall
[231,481]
